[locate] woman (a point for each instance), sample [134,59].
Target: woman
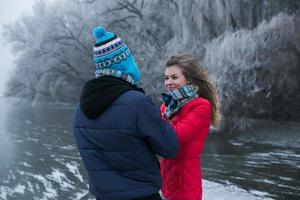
[191,106]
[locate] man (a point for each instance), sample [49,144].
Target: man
[117,128]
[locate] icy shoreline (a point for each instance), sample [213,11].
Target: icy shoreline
[217,191]
[211,191]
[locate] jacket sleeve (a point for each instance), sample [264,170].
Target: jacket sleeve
[196,119]
[158,133]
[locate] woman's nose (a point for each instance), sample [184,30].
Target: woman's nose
[168,82]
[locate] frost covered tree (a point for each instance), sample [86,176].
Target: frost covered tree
[53,51]
[251,48]
[258,71]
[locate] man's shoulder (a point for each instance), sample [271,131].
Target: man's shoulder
[133,97]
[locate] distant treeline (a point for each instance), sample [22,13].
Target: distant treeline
[251,49]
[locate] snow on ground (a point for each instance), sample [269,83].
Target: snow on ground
[211,191]
[217,191]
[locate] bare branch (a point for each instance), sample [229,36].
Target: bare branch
[73,37]
[142,5]
[62,59]
[173,2]
[57,68]
[89,1]
[123,20]
[130,7]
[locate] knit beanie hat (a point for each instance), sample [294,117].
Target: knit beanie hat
[112,54]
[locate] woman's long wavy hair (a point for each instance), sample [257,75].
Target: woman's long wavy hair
[195,74]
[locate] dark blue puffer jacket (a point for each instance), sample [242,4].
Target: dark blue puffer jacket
[119,147]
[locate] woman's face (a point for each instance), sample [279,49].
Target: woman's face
[174,78]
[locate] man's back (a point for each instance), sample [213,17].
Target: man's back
[118,148]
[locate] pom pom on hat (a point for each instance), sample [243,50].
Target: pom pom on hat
[101,35]
[99,32]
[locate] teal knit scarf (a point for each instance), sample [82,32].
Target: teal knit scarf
[176,99]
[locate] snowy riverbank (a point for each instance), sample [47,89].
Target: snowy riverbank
[216,191]
[211,191]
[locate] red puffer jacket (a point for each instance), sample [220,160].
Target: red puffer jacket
[182,175]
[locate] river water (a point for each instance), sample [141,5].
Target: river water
[39,159]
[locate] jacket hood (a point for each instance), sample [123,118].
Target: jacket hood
[99,93]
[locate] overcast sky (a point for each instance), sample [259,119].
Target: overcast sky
[10,10]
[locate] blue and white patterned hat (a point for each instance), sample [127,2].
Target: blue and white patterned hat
[110,52]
